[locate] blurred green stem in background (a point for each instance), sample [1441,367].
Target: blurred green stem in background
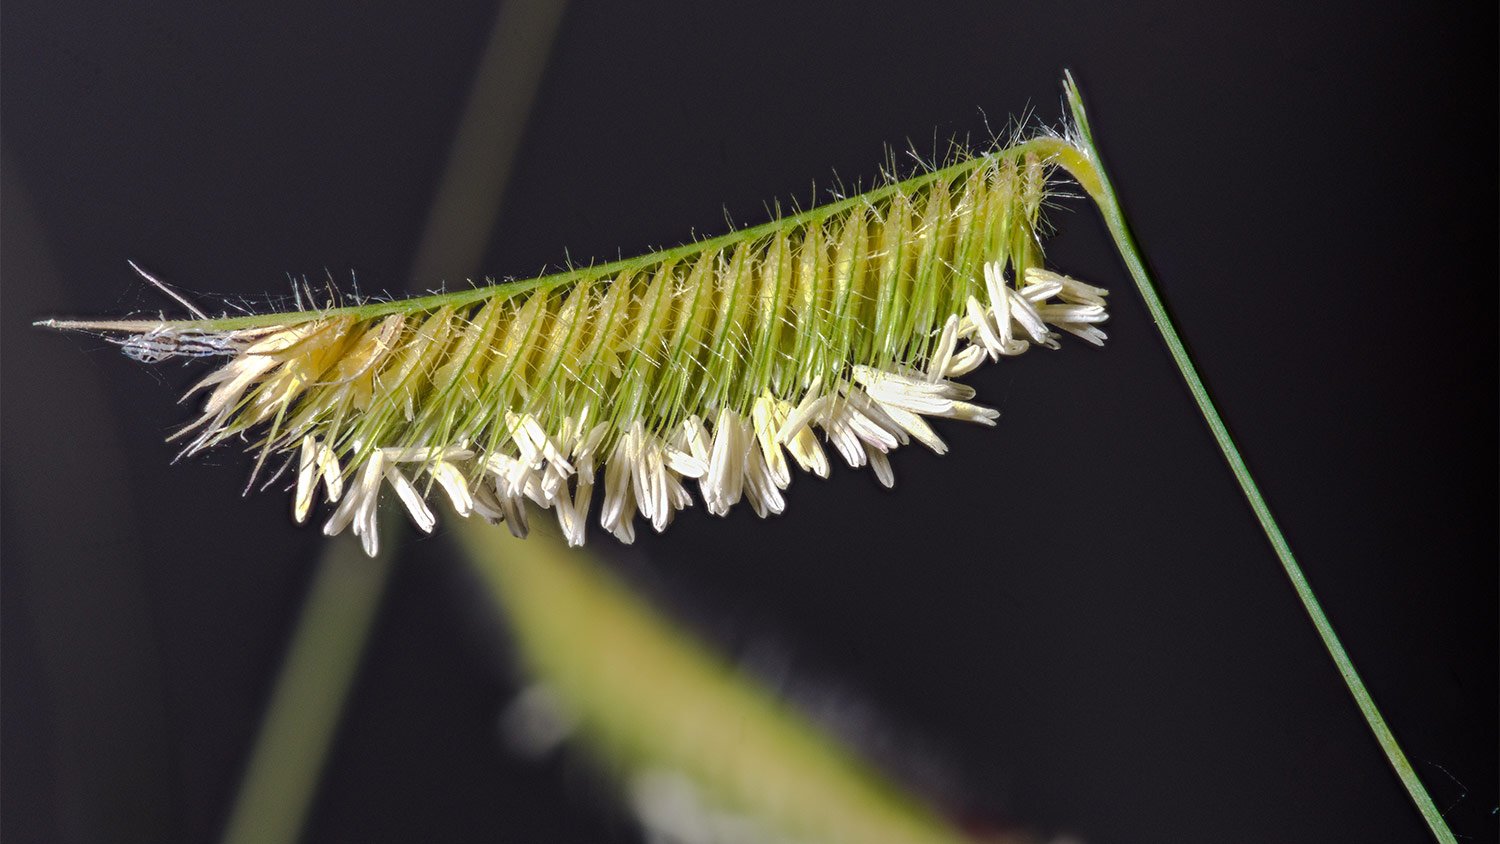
[303,715]
[296,734]
[694,743]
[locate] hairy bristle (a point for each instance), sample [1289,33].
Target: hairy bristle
[716,362]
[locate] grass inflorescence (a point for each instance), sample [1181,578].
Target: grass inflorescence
[716,361]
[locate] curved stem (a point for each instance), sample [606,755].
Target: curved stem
[1086,167]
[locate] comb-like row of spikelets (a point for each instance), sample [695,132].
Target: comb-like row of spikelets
[715,362]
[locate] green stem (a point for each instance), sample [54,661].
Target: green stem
[1089,170]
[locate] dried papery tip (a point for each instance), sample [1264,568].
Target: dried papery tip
[719,365]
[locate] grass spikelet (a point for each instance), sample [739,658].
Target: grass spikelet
[722,362]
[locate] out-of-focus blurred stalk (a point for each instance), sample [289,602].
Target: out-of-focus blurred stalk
[684,731]
[105,752]
[303,714]
[287,759]
[467,202]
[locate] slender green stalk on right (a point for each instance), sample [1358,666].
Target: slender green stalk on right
[1084,164]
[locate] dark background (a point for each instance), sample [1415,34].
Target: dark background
[1069,624]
